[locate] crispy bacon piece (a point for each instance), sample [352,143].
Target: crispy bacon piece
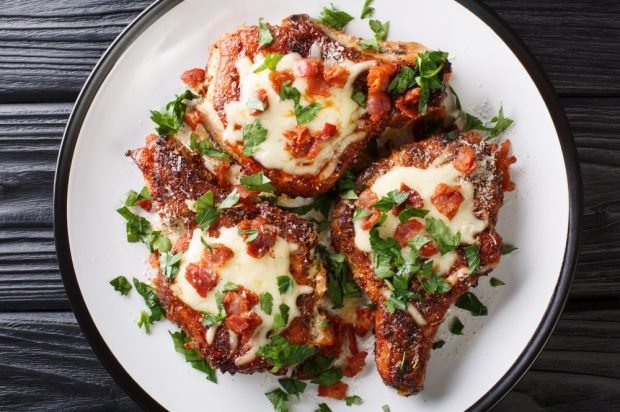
[217,255]
[379,103]
[193,119]
[336,391]
[329,131]
[370,220]
[407,230]
[367,199]
[203,278]
[243,325]
[414,199]
[447,199]
[194,78]
[300,141]
[239,301]
[429,249]
[355,364]
[352,339]
[265,239]
[278,79]
[408,103]
[363,320]
[465,161]
[336,76]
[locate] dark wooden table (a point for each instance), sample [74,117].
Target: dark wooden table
[48,48]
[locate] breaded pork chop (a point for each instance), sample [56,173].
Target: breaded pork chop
[420,234]
[303,107]
[248,275]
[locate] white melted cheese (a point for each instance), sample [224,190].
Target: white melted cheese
[257,275]
[424,181]
[338,109]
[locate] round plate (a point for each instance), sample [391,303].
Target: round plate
[140,71]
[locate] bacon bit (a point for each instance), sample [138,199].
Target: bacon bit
[301,141]
[465,161]
[367,199]
[503,164]
[329,131]
[154,260]
[408,103]
[370,220]
[406,231]
[428,249]
[379,77]
[266,238]
[336,391]
[447,199]
[363,320]
[490,247]
[239,301]
[261,95]
[203,278]
[355,364]
[336,76]
[378,104]
[193,119]
[352,340]
[414,199]
[297,331]
[317,87]
[279,78]
[145,204]
[243,325]
[194,78]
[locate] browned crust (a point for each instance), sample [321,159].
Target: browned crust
[398,333]
[298,33]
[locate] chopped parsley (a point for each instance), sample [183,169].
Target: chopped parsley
[230,200]
[229,287]
[206,148]
[328,377]
[385,408]
[440,232]
[404,80]
[473,258]
[209,319]
[500,124]
[158,242]
[137,228]
[456,327]
[284,284]
[346,186]
[278,399]
[280,320]
[367,10]
[169,264]
[371,44]
[257,181]
[206,213]
[283,353]
[293,386]
[255,104]
[132,198]
[251,234]
[181,340]
[359,97]
[145,321]
[360,213]
[353,400]
[152,302]
[391,200]
[334,18]
[253,135]
[266,302]
[434,283]
[439,344]
[121,285]
[270,62]
[303,114]
[507,249]
[323,408]
[471,303]
[410,212]
[417,242]
[495,282]
[379,29]
[171,120]
[339,279]
[264,35]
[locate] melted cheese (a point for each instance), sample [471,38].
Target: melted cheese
[424,181]
[338,109]
[257,275]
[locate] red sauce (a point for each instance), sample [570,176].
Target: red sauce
[194,78]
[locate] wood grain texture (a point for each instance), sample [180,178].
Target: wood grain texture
[47,50]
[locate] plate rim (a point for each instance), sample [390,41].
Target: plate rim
[151,14]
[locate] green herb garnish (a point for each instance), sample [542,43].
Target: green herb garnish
[270,62]
[253,135]
[264,35]
[266,302]
[440,232]
[121,285]
[334,18]
[171,120]
[257,181]
[181,340]
[471,303]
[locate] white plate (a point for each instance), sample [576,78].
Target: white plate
[141,72]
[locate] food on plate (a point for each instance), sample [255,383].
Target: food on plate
[421,232]
[302,104]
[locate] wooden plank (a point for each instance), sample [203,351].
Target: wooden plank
[45,353]
[46,53]
[30,136]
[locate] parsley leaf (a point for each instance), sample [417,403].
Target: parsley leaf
[417,242]
[150,299]
[253,135]
[229,287]
[367,10]
[507,249]
[230,200]
[440,232]
[251,234]
[121,285]
[371,44]
[439,344]
[206,213]
[404,80]
[270,62]
[471,303]
[339,279]
[293,386]
[385,408]
[180,340]
[328,377]
[473,258]
[278,399]
[169,264]
[159,243]
[323,408]
[209,319]
[137,227]
[264,35]
[353,400]
[255,104]
[359,97]
[171,120]
[495,282]
[283,353]
[145,321]
[284,284]
[131,198]
[266,302]
[360,213]
[429,64]
[501,124]
[281,319]
[410,212]
[456,327]
[257,181]
[206,148]
[391,200]
[302,114]
[434,283]
[379,29]
[334,18]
